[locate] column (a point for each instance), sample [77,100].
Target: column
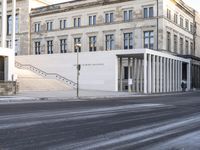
[133,74]
[161,74]
[4,23]
[164,75]
[181,74]
[189,76]
[157,75]
[120,74]
[153,75]
[145,74]
[170,75]
[129,74]
[138,75]
[13,23]
[167,74]
[178,76]
[176,79]
[173,75]
[149,74]
[142,76]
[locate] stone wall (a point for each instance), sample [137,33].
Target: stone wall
[8,88]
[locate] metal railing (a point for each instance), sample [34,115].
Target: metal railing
[45,74]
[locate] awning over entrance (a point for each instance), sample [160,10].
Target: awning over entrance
[150,71]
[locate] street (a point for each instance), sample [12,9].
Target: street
[144,123]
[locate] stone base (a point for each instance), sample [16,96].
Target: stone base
[8,88]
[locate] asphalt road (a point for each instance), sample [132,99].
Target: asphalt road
[150,123]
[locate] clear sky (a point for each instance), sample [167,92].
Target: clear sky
[193,3]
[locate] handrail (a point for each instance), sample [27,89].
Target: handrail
[45,74]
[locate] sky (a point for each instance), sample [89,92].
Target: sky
[193,3]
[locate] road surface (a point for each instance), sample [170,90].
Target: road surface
[145,123]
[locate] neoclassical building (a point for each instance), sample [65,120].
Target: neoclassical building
[169,27]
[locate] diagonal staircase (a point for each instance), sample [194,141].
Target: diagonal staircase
[34,79]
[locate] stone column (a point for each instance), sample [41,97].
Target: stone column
[189,76]
[161,74]
[145,73]
[157,75]
[129,74]
[164,76]
[149,74]
[3,23]
[168,74]
[138,75]
[133,74]
[153,75]
[120,74]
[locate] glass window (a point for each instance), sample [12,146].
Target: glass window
[37,48]
[148,12]
[181,21]
[77,41]
[63,24]
[128,40]
[149,39]
[176,18]
[49,26]
[109,17]
[168,41]
[63,45]
[77,22]
[181,45]
[110,42]
[50,47]
[128,14]
[186,47]
[175,43]
[92,20]
[92,43]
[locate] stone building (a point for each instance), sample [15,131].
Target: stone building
[23,9]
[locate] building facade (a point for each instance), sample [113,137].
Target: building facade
[167,26]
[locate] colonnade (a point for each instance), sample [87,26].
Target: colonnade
[196,76]
[154,73]
[135,82]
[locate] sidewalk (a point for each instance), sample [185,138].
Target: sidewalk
[51,96]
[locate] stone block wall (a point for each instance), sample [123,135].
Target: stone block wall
[8,88]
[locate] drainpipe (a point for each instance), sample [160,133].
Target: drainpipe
[157,23]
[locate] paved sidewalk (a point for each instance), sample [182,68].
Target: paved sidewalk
[51,96]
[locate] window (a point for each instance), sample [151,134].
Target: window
[125,72]
[128,15]
[148,12]
[109,17]
[187,24]
[63,24]
[176,18]
[181,21]
[77,41]
[192,48]
[63,45]
[92,20]
[175,43]
[9,24]
[168,41]
[77,22]
[50,47]
[110,42]
[191,27]
[37,48]
[37,27]
[9,44]
[49,26]
[186,47]
[148,39]
[92,43]
[128,40]
[181,45]
[169,14]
